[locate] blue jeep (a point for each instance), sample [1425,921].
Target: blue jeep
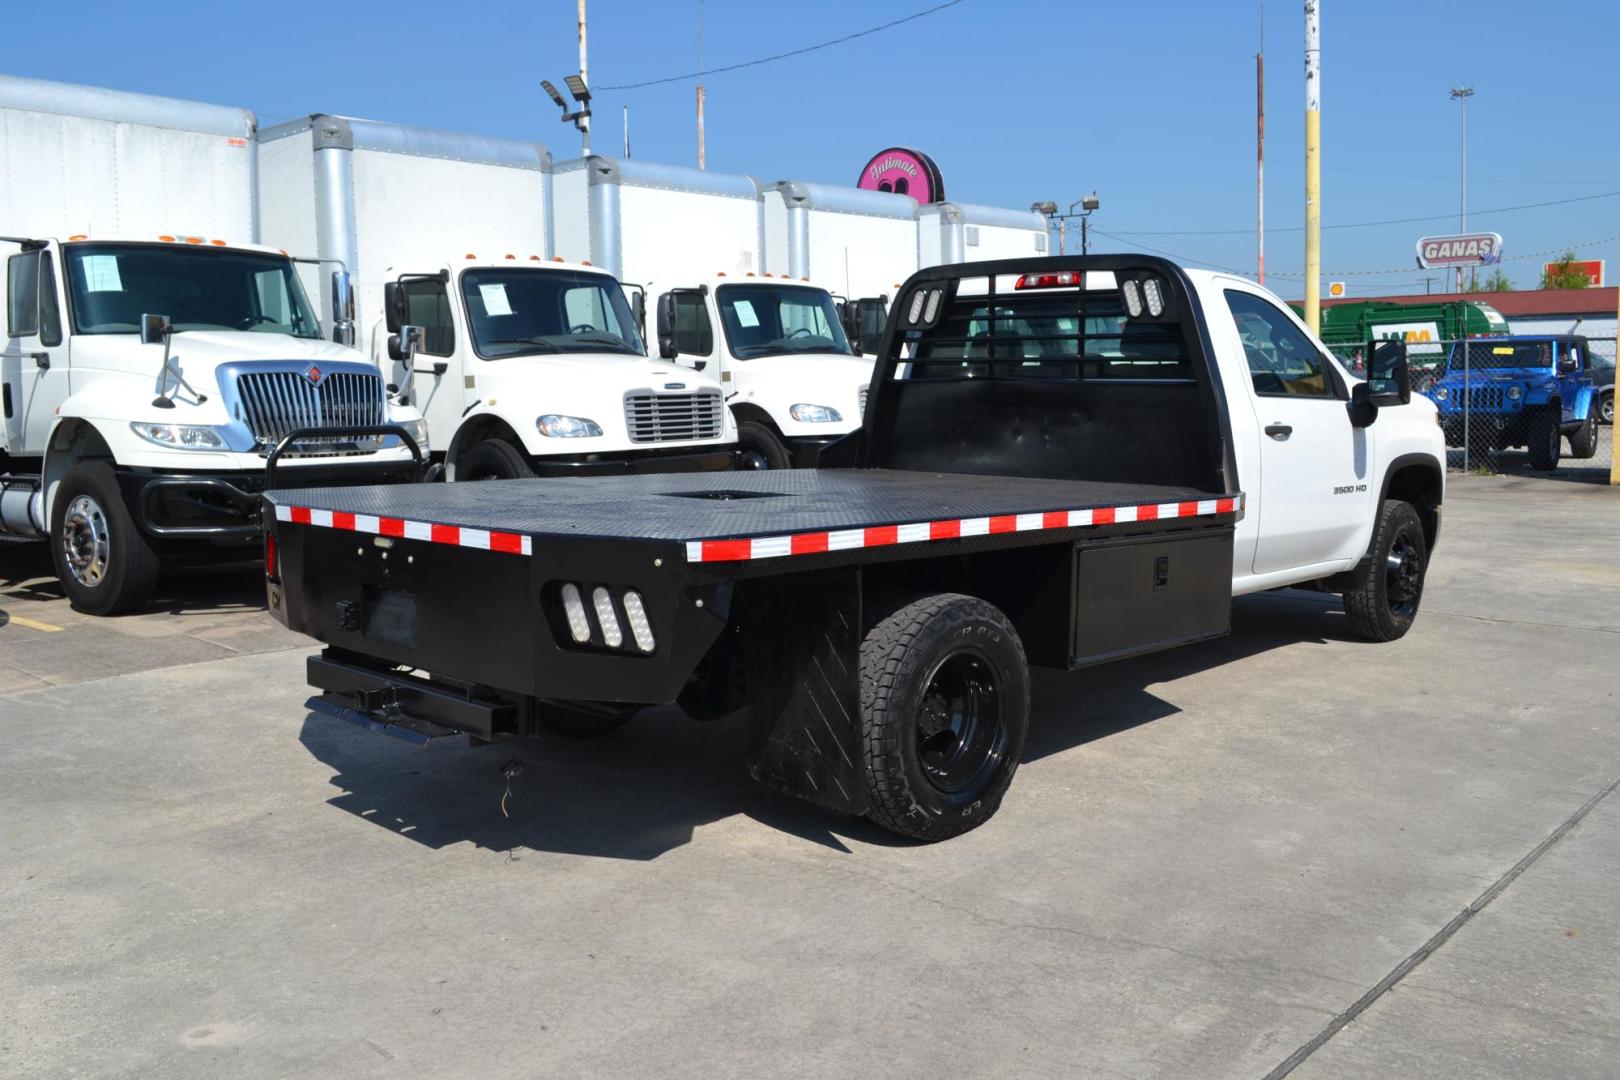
[1528,391]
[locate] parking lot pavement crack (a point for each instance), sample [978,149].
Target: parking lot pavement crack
[1523,622]
[1443,935]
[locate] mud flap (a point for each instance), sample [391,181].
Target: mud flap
[801,636]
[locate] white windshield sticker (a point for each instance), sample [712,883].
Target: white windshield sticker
[745,313]
[101,274]
[495,302]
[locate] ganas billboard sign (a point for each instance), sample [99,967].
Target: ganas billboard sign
[1468,249]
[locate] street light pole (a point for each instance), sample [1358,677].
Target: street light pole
[1462,94]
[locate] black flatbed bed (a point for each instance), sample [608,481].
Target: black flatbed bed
[690,508]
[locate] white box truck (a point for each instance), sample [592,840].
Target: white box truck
[859,243]
[951,232]
[696,241]
[522,363]
[156,359]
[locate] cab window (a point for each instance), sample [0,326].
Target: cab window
[1283,362]
[427,304]
[692,324]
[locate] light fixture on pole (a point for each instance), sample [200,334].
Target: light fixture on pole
[580,117]
[1462,94]
[1087,205]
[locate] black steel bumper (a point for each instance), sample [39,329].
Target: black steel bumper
[636,462]
[226,506]
[404,706]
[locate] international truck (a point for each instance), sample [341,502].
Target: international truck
[155,357]
[1065,461]
[523,363]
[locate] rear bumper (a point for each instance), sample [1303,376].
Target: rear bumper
[404,706]
[635,462]
[226,506]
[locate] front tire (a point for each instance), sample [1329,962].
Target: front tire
[944,713]
[1583,441]
[494,459]
[760,448]
[1385,600]
[1544,440]
[104,563]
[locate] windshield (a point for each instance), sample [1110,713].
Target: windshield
[198,288]
[1504,354]
[777,320]
[523,312]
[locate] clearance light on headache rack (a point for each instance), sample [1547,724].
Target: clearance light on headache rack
[1133,298]
[1063,279]
[1153,293]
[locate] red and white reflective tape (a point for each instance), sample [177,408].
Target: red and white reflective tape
[813,543]
[454,535]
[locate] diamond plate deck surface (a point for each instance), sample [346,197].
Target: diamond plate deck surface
[653,507]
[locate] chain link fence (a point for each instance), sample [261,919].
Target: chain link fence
[1517,407]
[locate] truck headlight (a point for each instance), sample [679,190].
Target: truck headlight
[1515,393]
[553,426]
[815,414]
[1441,393]
[181,436]
[418,430]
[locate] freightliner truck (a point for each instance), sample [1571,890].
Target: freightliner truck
[154,356]
[526,359]
[1064,461]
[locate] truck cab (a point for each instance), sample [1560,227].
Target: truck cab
[1522,390]
[147,380]
[792,380]
[537,368]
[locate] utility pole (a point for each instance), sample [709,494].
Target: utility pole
[1462,94]
[1313,166]
[584,77]
[701,94]
[627,131]
[1260,149]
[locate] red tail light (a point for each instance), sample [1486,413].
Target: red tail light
[270,555]
[1062,279]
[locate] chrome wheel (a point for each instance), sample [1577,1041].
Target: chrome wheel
[86,541]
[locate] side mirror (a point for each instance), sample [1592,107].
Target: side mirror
[155,329]
[403,345]
[1363,410]
[850,315]
[638,308]
[669,346]
[1389,373]
[342,308]
[394,314]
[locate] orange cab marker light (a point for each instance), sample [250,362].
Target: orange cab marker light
[167,239]
[558,258]
[750,273]
[470,255]
[218,243]
[584,262]
[79,236]
[509,255]
[721,274]
[534,258]
[194,239]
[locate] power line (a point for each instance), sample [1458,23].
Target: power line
[1389,221]
[785,55]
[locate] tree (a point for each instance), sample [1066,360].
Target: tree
[1564,274]
[1497,282]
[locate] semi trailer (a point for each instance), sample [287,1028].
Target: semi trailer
[1065,461]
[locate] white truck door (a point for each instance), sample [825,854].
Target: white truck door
[441,396]
[1314,494]
[35,366]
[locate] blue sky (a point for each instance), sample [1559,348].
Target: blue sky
[1152,105]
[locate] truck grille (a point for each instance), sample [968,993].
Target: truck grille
[1487,398]
[673,417]
[276,403]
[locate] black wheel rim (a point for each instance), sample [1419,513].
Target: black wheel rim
[961,724]
[1403,575]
